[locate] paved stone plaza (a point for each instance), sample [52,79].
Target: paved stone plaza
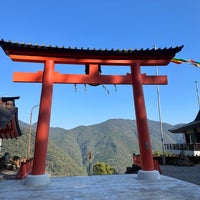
[101,187]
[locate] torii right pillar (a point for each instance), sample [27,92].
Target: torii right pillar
[147,172]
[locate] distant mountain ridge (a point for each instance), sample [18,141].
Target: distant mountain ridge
[113,141]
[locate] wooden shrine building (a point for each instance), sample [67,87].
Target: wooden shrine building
[92,59]
[9,125]
[191,145]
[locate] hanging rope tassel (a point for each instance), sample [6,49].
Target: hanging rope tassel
[115,87]
[105,89]
[85,88]
[75,87]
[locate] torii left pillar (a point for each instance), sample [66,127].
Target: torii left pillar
[38,176]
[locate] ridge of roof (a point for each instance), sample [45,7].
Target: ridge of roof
[197,117]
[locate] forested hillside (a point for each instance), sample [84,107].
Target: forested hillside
[113,141]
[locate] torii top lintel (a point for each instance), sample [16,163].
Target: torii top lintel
[60,55]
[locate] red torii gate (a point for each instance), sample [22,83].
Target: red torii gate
[92,59]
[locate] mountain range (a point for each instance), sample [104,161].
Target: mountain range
[113,141]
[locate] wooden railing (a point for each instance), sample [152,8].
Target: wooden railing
[190,147]
[24,169]
[137,161]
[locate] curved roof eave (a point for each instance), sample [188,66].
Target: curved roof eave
[11,48]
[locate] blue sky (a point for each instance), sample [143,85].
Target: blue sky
[104,24]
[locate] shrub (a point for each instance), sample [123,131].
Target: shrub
[101,168]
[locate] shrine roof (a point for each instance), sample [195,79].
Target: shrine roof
[9,124]
[15,48]
[5,99]
[186,127]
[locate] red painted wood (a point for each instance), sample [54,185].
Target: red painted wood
[25,169]
[141,120]
[88,79]
[137,161]
[145,61]
[42,133]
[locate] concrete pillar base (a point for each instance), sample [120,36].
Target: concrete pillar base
[148,175]
[37,180]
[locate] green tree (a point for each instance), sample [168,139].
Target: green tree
[101,168]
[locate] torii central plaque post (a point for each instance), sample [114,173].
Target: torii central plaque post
[93,60]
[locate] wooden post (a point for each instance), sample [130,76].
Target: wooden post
[141,119]
[42,133]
